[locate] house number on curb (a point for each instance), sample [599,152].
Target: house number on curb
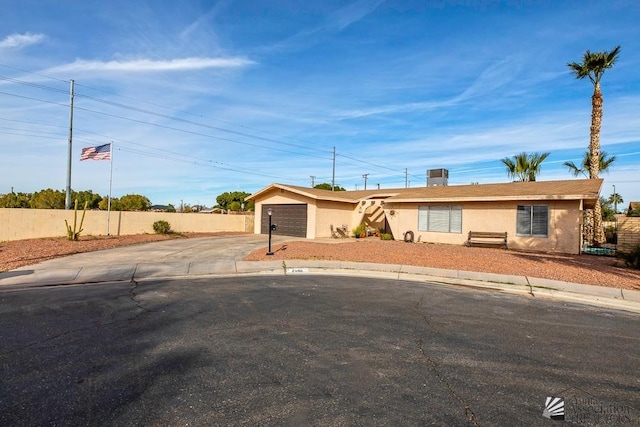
[297,270]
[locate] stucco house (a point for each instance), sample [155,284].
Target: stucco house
[539,216]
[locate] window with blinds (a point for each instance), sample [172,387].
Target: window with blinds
[533,221]
[443,219]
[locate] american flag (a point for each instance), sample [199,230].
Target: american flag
[101,152]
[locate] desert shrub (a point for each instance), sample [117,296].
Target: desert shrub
[632,258]
[162,227]
[386,236]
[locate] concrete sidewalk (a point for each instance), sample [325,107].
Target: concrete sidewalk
[221,256]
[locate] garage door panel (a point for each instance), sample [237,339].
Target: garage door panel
[291,219]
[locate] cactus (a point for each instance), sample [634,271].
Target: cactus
[72,234]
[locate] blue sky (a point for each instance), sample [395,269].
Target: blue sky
[202,97]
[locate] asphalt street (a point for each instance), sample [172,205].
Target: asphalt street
[309,350]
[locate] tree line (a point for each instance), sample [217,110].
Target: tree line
[55,199]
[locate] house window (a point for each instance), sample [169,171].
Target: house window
[533,220]
[443,219]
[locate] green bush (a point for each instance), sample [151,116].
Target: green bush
[631,259]
[386,236]
[161,227]
[360,231]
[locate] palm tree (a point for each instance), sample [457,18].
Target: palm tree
[616,199]
[524,166]
[593,66]
[603,164]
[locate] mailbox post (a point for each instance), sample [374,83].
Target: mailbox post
[270,213]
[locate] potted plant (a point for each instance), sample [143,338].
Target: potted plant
[360,231]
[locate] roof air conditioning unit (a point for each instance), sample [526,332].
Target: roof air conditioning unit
[437,177]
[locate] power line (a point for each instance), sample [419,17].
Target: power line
[190,113]
[153,113]
[34,99]
[145,111]
[141,110]
[194,133]
[34,85]
[193,160]
[35,74]
[208,163]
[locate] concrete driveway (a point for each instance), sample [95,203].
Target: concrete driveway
[169,258]
[201,249]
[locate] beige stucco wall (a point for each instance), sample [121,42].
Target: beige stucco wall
[336,214]
[628,233]
[17,224]
[564,224]
[278,196]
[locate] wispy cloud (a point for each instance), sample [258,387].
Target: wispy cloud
[354,12]
[147,65]
[493,77]
[393,109]
[19,41]
[490,79]
[335,22]
[204,20]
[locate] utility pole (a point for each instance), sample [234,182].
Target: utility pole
[365,180]
[68,195]
[333,176]
[406,178]
[313,181]
[378,186]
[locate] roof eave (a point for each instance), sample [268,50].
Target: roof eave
[298,191]
[491,199]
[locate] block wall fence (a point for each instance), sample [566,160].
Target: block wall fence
[628,233]
[18,224]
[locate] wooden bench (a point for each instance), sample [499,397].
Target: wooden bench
[487,238]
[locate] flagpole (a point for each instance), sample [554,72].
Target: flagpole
[67,202]
[110,181]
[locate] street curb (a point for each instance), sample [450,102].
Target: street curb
[535,287]
[623,299]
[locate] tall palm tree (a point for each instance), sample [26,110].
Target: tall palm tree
[603,164]
[524,166]
[593,66]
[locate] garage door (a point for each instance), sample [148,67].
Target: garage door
[290,219]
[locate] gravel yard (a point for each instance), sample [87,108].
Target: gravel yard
[585,269]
